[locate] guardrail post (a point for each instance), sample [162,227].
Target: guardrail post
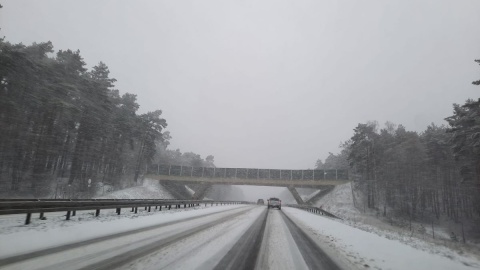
[97,212]
[133,209]
[29,216]
[169,206]
[149,207]
[68,215]
[119,210]
[42,216]
[185,205]
[136,210]
[74,213]
[160,208]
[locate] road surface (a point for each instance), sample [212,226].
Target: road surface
[250,237]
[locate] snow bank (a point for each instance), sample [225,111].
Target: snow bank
[339,201]
[370,250]
[151,189]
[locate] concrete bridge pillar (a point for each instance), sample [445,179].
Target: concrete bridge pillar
[296,195]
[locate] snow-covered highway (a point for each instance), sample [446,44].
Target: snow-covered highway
[223,237]
[245,237]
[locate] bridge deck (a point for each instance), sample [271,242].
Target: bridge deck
[253,182]
[248,176]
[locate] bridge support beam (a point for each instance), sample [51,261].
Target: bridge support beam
[295,195]
[201,192]
[322,193]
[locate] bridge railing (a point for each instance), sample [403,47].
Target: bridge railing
[247,173]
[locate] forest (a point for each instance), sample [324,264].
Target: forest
[416,175]
[67,129]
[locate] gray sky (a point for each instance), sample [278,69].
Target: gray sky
[270,84]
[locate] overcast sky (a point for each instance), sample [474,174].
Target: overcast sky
[270,84]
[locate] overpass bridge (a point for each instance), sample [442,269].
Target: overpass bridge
[207,176]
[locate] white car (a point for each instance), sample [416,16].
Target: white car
[275,203]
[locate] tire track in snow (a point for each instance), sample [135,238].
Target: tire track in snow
[279,250]
[243,254]
[314,256]
[132,255]
[10,261]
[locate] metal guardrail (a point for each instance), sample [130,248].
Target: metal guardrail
[246,173]
[313,209]
[41,206]
[73,200]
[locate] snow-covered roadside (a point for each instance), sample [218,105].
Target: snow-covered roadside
[56,231]
[366,249]
[340,202]
[150,189]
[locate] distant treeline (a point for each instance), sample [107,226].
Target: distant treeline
[59,120]
[416,175]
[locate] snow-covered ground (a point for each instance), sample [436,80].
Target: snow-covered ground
[56,231]
[358,241]
[370,250]
[350,247]
[200,251]
[340,202]
[150,189]
[278,250]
